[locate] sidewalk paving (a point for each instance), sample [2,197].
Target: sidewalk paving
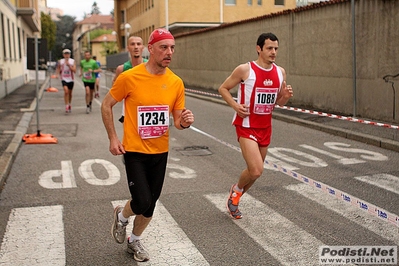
[16,111]
[18,108]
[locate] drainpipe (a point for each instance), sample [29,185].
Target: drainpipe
[354,56]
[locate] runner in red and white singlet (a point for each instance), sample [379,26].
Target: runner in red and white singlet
[262,85]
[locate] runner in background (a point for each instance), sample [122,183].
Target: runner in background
[88,68]
[66,69]
[97,84]
[135,47]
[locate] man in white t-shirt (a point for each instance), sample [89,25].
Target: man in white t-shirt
[66,69]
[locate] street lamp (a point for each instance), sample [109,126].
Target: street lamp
[115,42]
[127,28]
[67,35]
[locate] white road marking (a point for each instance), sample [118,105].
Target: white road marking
[86,171]
[385,181]
[313,161]
[166,241]
[182,172]
[66,174]
[265,226]
[360,217]
[34,236]
[340,159]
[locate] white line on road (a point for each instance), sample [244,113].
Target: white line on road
[355,215]
[166,241]
[34,236]
[280,237]
[385,181]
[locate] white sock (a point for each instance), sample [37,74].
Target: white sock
[236,188]
[133,237]
[122,218]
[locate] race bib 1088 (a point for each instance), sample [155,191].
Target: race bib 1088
[265,99]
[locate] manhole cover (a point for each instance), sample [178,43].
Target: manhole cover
[195,151]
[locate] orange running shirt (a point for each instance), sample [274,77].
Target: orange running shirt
[149,102]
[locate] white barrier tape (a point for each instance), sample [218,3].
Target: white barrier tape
[357,202]
[347,118]
[354,201]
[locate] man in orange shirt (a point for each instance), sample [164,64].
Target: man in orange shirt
[151,92]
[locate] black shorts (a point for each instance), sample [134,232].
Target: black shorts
[89,84]
[145,176]
[67,84]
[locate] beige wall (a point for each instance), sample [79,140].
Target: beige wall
[13,67]
[316,52]
[143,19]
[96,50]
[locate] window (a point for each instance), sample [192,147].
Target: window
[19,44]
[279,2]
[250,2]
[24,41]
[122,16]
[229,2]
[9,38]
[259,2]
[3,36]
[13,41]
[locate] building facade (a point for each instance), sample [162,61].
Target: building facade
[141,17]
[19,20]
[101,46]
[81,33]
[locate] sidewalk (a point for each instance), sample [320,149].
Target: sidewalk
[18,109]
[16,112]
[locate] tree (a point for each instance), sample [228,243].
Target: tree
[95,9]
[49,29]
[65,26]
[109,48]
[98,32]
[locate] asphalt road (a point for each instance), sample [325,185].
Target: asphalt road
[56,208]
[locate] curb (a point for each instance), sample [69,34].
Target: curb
[371,140]
[8,157]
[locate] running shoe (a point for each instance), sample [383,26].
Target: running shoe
[138,250]
[232,203]
[88,109]
[69,108]
[97,95]
[118,229]
[66,108]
